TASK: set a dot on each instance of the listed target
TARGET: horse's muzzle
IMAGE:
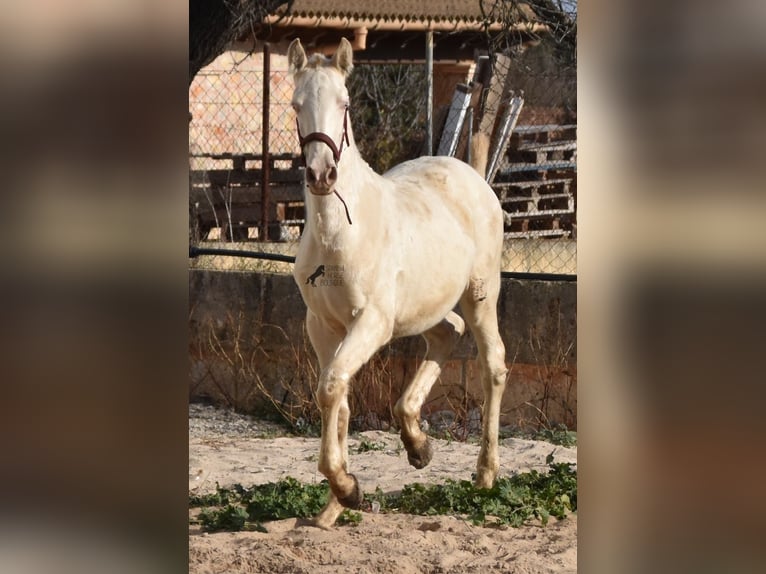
(321, 183)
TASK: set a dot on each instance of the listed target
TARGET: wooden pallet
(543, 134)
(536, 183)
(537, 205)
(544, 153)
(557, 223)
(229, 196)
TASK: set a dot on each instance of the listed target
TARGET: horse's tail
(479, 152)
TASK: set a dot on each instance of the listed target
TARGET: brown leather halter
(325, 139)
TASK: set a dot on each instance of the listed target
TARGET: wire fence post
(430, 90)
(265, 175)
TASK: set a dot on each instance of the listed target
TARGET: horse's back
(428, 185)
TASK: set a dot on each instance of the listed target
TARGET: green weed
(368, 445)
(511, 501)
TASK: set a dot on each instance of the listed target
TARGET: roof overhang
(377, 38)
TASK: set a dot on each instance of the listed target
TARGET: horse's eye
(295, 106)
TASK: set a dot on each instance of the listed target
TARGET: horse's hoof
(420, 457)
(313, 523)
(354, 499)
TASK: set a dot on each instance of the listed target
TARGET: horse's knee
(495, 369)
(499, 376)
(332, 389)
(328, 467)
(404, 411)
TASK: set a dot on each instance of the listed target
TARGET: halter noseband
(325, 139)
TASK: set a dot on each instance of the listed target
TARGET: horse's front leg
(365, 336)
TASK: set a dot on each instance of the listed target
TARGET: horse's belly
(425, 295)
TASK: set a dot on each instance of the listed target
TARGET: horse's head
(320, 101)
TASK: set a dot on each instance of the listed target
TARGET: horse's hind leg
(479, 306)
(441, 340)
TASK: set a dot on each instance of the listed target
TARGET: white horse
(389, 256)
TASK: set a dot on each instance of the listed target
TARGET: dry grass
(258, 369)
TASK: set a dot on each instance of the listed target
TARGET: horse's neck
(328, 219)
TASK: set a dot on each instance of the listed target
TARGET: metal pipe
(197, 251)
(430, 92)
(265, 160)
(469, 135)
(519, 275)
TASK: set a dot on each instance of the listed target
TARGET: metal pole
(520, 275)
(469, 135)
(265, 175)
(430, 98)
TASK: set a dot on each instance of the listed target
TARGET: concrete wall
(259, 319)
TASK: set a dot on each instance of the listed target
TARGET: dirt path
(226, 448)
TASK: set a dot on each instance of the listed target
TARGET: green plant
(239, 508)
(559, 435)
(511, 501)
(368, 445)
(350, 518)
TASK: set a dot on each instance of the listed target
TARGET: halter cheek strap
(325, 139)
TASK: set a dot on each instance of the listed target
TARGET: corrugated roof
(402, 10)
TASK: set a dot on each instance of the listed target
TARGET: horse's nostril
(311, 175)
(332, 175)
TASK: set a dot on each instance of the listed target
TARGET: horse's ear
(343, 58)
(296, 56)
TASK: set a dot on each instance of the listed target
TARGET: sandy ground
(228, 449)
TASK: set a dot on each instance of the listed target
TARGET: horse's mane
(318, 61)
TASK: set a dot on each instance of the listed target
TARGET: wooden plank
(536, 233)
(495, 94)
(551, 146)
(538, 213)
(545, 166)
(543, 134)
(453, 125)
(226, 177)
(525, 184)
(525, 129)
(469, 128)
(245, 195)
(514, 199)
(508, 122)
(540, 156)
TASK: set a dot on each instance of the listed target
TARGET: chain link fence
(522, 101)
(229, 137)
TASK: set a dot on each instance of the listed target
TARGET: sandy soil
(228, 449)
